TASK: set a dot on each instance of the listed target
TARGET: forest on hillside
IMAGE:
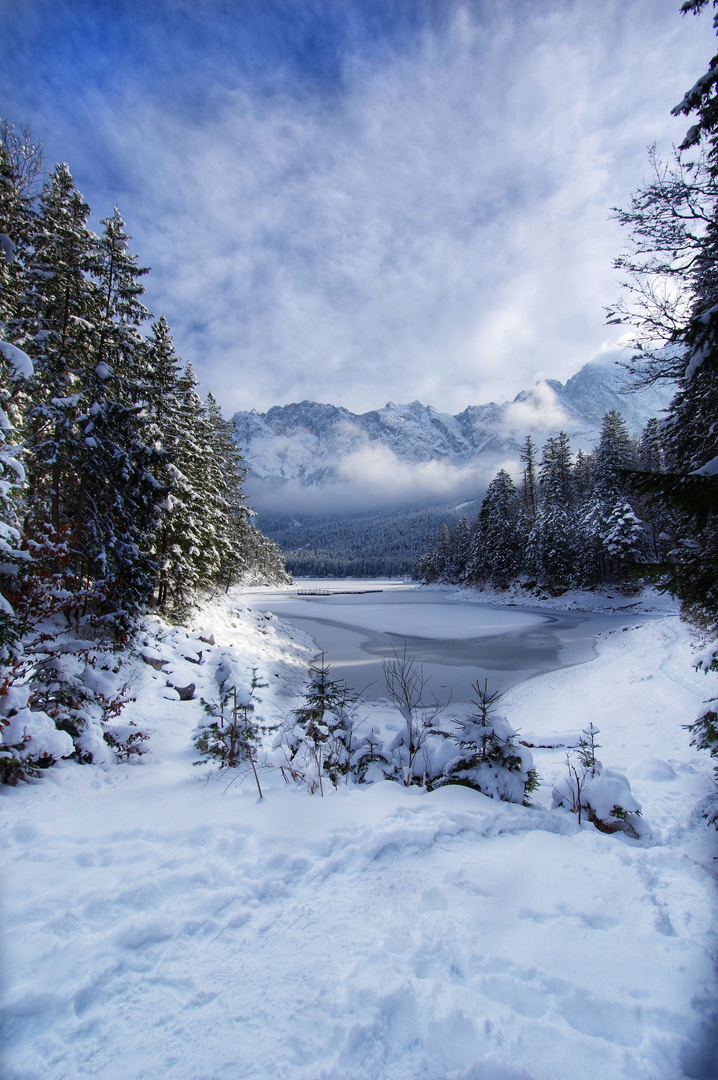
(383, 544)
(569, 521)
(121, 490)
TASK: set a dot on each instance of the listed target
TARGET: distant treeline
(570, 521)
(384, 544)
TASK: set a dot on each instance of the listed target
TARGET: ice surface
(416, 620)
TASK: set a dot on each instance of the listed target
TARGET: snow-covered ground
(160, 921)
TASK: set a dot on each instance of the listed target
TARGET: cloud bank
(373, 478)
(422, 215)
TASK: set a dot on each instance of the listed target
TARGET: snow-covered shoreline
(160, 921)
(602, 600)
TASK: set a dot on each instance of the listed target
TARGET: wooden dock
(336, 592)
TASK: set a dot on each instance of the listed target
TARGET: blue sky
(361, 200)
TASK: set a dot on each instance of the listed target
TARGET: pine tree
(609, 516)
(460, 549)
(673, 225)
(232, 733)
(225, 479)
(12, 480)
(116, 509)
(551, 548)
(443, 555)
(21, 169)
(556, 472)
(676, 240)
(590, 562)
(428, 570)
(613, 457)
(488, 757)
(318, 741)
(583, 476)
(370, 762)
(623, 536)
(62, 305)
(496, 549)
(20, 163)
(189, 524)
(651, 454)
(529, 484)
(658, 520)
(161, 371)
(56, 327)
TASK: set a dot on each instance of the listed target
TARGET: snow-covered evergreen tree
(658, 520)
(528, 490)
(613, 457)
(551, 547)
(320, 742)
(114, 476)
(428, 567)
(20, 162)
(488, 756)
(371, 762)
(231, 733)
(59, 322)
(460, 548)
(673, 237)
(14, 367)
(590, 561)
(161, 370)
(116, 505)
(21, 170)
(496, 548)
(225, 478)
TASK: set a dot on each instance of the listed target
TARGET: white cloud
(612, 352)
(539, 410)
(366, 474)
(373, 478)
(437, 231)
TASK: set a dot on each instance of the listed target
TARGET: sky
(357, 201)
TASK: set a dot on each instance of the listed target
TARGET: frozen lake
(458, 641)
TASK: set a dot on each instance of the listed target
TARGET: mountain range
(359, 495)
(312, 444)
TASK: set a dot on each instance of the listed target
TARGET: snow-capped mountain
(313, 444)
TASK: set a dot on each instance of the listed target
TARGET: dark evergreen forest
(569, 521)
(121, 487)
(384, 544)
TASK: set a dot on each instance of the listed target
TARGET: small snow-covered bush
(488, 756)
(604, 795)
(29, 740)
(370, 762)
(62, 698)
(230, 733)
(704, 732)
(320, 740)
(408, 689)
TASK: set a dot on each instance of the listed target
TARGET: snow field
(163, 922)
